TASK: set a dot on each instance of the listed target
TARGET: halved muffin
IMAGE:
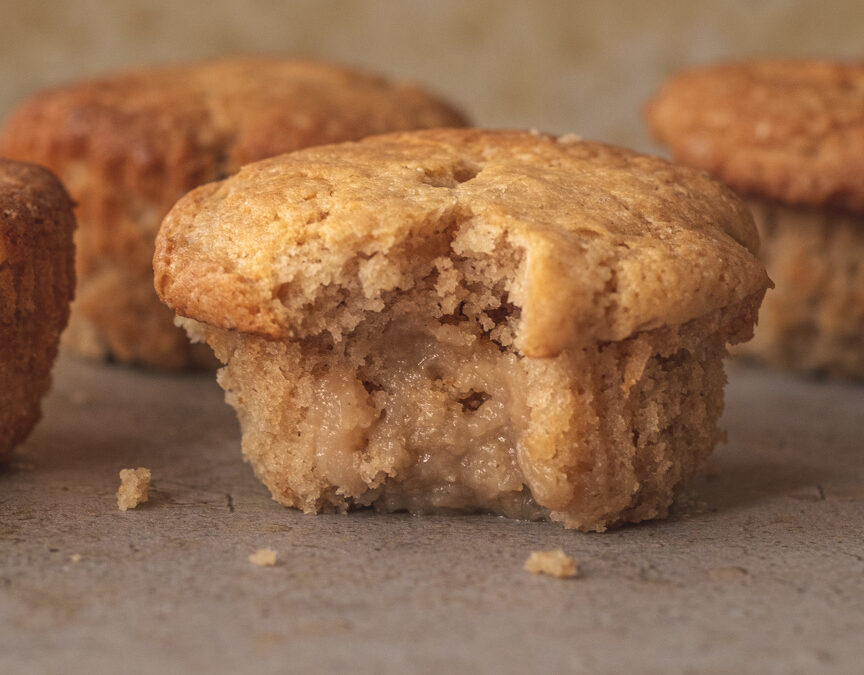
(468, 320)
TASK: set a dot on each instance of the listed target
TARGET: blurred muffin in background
(128, 146)
(37, 281)
(789, 136)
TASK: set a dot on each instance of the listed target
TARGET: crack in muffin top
(612, 242)
(786, 130)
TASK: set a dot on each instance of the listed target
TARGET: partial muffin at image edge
(457, 320)
(37, 282)
(789, 137)
(127, 146)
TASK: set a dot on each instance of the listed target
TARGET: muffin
(37, 280)
(128, 146)
(457, 320)
(789, 137)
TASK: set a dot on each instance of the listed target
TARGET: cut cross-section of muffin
(37, 280)
(128, 145)
(468, 320)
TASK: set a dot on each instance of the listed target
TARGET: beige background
(559, 66)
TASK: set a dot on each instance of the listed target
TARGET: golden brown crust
(128, 146)
(614, 242)
(37, 280)
(787, 130)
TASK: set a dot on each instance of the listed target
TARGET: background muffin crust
(786, 130)
(37, 281)
(789, 135)
(128, 146)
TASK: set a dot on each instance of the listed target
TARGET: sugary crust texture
(37, 281)
(814, 320)
(128, 146)
(608, 242)
(786, 130)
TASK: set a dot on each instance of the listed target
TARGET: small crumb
(75, 558)
(554, 563)
(133, 488)
(263, 557)
(727, 573)
(567, 139)
(817, 495)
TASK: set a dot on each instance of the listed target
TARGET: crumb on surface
(75, 558)
(133, 488)
(728, 573)
(554, 563)
(263, 557)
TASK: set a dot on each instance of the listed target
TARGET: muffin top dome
(602, 242)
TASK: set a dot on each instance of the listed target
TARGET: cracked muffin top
(180, 126)
(593, 242)
(786, 130)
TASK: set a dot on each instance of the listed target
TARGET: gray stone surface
(760, 569)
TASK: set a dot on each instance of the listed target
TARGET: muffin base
(813, 321)
(423, 414)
